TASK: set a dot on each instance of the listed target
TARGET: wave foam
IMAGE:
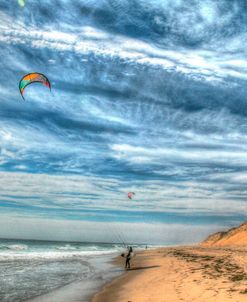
(52, 255)
(14, 247)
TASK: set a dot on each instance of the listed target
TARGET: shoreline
(185, 273)
(83, 290)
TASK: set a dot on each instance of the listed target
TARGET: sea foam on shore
(31, 269)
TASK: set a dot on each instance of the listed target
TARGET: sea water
(33, 268)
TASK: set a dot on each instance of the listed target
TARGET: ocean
(147, 96)
(33, 268)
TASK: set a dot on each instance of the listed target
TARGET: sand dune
(233, 237)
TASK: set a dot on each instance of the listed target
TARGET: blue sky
(147, 96)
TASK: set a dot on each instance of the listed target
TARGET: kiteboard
(132, 255)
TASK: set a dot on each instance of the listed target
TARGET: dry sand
(181, 274)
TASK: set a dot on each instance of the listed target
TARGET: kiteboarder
(128, 257)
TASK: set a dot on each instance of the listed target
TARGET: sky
(147, 96)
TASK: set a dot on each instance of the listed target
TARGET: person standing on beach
(128, 257)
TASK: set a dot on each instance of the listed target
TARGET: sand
(181, 274)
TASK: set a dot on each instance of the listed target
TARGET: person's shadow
(142, 267)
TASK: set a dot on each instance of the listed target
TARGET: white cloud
(78, 193)
(135, 155)
(52, 229)
(201, 64)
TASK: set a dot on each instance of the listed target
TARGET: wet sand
(181, 274)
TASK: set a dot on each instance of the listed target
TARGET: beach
(41, 271)
(191, 273)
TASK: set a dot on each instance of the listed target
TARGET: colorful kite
(30, 78)
(130, 195)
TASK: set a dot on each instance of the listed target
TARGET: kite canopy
(130, 195)
(30, 78)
